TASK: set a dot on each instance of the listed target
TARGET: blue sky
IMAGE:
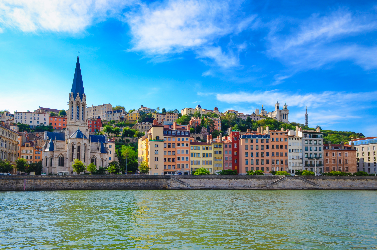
(175, 54)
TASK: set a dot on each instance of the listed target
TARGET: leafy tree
(23, 127)
(118, 107)
(144, 167)
(5, 166)
(215, 133)
(108, 129)
(62, 113)
(273, 172)
(198, 129)
(306, 172)
(163, 110)
(183, 120)
(35, 167)
(91, 168)
(53, 114)
(282, 173)
(228, 172)
(257, 172)
(116, 131)
(197, 114)
(112, 169)
(22, 165)
(192, 130)
(201, 171)
(78, 166)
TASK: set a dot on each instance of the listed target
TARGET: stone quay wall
(160, 182)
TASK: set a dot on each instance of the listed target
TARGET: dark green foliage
(257, 172)
(118, 107)
(163, 110)
(62, 113)
(337, 173)
(298, 172)
(146, 117)
(228, 172)
(5, 166)
(35, 167)
(273, 172)
(100, 171)
(183, 120)
(22, 165)
(282, 173)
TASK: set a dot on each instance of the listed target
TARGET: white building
(295, 150)
(366, 154)
(32, 119)
(93, 112)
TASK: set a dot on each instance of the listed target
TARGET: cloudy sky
(175, 54)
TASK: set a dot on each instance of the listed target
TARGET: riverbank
(159, 182)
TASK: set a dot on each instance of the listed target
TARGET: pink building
(228, 159)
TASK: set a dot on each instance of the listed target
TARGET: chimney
(174, 126)
(297, 131)
(342, 145)
(282, 129)
(267, 130)
(155, 122)
(330, 145)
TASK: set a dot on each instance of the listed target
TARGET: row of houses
(172, 150)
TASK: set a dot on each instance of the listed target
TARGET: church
(62, 148)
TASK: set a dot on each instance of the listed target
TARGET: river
(191, 219)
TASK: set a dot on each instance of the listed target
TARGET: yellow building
(132, 117)
(201, 156)
(151, 150)
(217, 156)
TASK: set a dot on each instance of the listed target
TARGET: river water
(207, 219)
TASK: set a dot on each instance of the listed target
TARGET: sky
(236, 55)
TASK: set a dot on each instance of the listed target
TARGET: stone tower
(77, 104)
(306, 116)
(284, 113)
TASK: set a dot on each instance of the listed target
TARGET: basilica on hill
(62, 148)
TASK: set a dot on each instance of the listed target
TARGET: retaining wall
(157, 182)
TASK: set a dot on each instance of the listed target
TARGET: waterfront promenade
(167, 182)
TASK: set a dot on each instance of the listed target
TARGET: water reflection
(188, 220)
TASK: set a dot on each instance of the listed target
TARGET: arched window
(93, 160)
(60, 160)
(78, 153)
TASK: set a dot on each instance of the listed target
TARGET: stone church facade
(62, 148)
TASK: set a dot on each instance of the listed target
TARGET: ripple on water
(188, 220)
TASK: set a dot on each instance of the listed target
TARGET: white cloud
(301, 100)
(222, 59)
(70, 16)
(311, 46)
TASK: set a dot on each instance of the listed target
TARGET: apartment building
(151, 149)
(218, 147)
(228, 159)
(194, 122)
(32, 119)
(176, 150)
(31, 152)
(116, 115)
(132, 117)
(58, 123)
(313, 151)
(254, 153)
(279, 150)
(165, 119)
(191, 111)
(6, 117)
(338, 157)
(201, 156)
(145, 109)
(8, 144)
(94, 125)
(93, 112)
(295, 150)
(143, 126)
(365, 154)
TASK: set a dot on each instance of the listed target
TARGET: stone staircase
(310, 182)
(277, 181)
(180, 182)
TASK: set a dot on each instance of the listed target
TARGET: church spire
(77, 84)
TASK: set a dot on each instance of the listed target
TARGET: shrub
(273, 172)
(78, 166)
(306, 172)
(360, 173)
(228, 172)
(112, 168)
(336, 173)
(299, 172)
(91, 168)
(257, 172)
(282, 173)
(201, 171)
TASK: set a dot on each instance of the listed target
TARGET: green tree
(201, 171)
(5, 166)
(112, 169)
(91, 168)
(163, 110)
(228, 172)
(192, 130)
(78, 166)
(118, 107)
(158, 109)
(116, 131)
(53, 114)
(183, 120)
(22, 165)
(108, 129)
(197, 114)
(62, 113)
(144, 167)
(35, 167)
(215, 133)
(360, 173)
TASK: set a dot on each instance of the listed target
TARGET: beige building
(32, 119)
(279, 115)
(8, 144)
(151, 150)
(191, 111)
(143, 126)
(62, 148)
(93, 112)
(145, 109)
(165, 119)
(313, 151)
(295, 150)
(366, 154)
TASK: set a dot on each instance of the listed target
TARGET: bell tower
(76, 118)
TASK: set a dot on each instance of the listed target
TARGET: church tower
(77, 104)
(306, 116)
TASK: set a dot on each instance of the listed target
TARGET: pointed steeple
(77, 84)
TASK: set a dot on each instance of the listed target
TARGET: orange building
(279, 150)
(94, 125)
(254, 152)
(338, 157)
(58, 123)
